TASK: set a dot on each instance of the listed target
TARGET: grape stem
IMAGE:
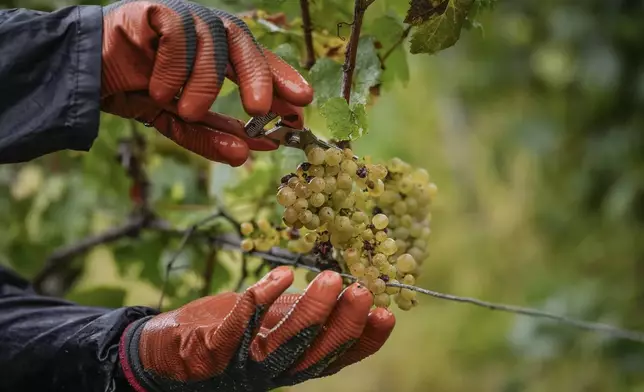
(307, 27)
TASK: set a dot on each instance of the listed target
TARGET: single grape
(286, 196)
(388, 247)
(371, 273)
(405, 185)
(412, 204)
(314, 223)
(420, 176)
(348, 202)
(330, 185)
(377, 189)
(317, 200)
(344, 181)
(379, 259)
(377, 286)
(311, 237)
(403, 304)
(290, 215)
(401, 233)
(381, 236)
(316, 171)
(406, 263)
(333, 156)
(338, 197)
(408, 294)
(400, 208)
(380, 221)
(367, 235)
(300, 204)
(343, 224)
(302, 191)
(392, 290)
(348, 154)
(377, 172)
(433, 190)
(359, 217)
(246, 228)
(357, 270)
(317, 184)
(293, 181)
(247, 245)
(417, 254)
(406, 221)
(351, 256)
(305, 216)
(349, 167)
(264, 225)
(326, 214)
(315, 155)
(263, 245)
(332, 170)
(409, 280)
(402, 245)
(382, 300)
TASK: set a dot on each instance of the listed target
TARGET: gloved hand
(164, 63)
(255, 341)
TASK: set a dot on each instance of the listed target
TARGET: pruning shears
(282, 133)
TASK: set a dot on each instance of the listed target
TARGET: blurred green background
(532, 128)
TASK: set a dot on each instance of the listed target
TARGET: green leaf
(441, 31)
(326, 79)
(108, 297)
(367, 70)
(388, 30)
(344, 122)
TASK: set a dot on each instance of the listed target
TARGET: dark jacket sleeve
(50, 81)
(48, 344)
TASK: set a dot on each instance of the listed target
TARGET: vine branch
(307, 27)
(359, 10)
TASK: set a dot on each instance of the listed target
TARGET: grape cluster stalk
(366, 219)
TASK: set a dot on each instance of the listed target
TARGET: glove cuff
(129, 357)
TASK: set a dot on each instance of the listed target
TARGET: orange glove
(164, 63)
(255, 341)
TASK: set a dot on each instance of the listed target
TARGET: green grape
(403, 304)
(376, 188)
(263, 245)
(382, 300)
(367, 235)
(311, 237)
(412, 204)
(400, 208)
(393, 290)
(316, 155)
(420, 176)
(264, 225)
(247, 245)
(351, 256)
(348, 153)
(286, 196)
(420, 243)
(359, 217)
(379, 259)
(433, 190)
(330, 185)
(305, 216)
(338, 197)
(377, 286)
(333, 156)
(406, 263)
(409, 280)
(317, 200)
(344, 181)
(402, 245)
(300, 204)
(348, 202)
(417, 254)
(408, 294)
(349, 167)
(357, 270)
(415, 230)
(406, 221)
(246, 228)
(389, 197)
(332, 170)
(381, 236)
(290, 215)
(401, 233)
(317, 184)
(316, 171)
(326, 214)
(343, 224)
(314, 223)
(293, 181)
(380, 221)
(388, 247)
(371, 273)
(302, 191)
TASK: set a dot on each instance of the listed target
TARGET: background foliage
(531, 125)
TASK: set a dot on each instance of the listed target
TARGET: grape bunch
(365, 219)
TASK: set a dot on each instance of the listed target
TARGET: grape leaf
(441, 31)
(344, 122)
(421, 10)
(367, 70)
(326, 79)
(326, 75)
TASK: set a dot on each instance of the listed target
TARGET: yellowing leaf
(441, 31)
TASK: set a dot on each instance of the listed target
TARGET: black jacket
(50, 76)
